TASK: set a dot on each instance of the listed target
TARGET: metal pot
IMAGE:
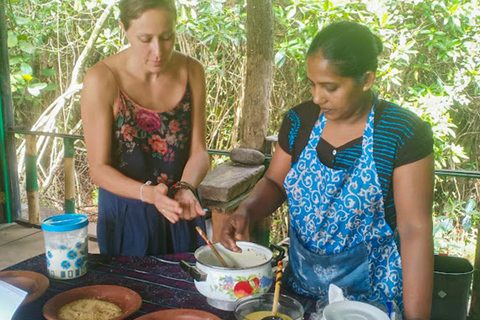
(250, 272)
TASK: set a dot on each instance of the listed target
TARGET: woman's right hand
(168, 207)
(234, 228)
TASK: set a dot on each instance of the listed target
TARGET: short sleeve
(417, 146)
(285, 138)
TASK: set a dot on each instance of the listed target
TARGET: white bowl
(353, 310)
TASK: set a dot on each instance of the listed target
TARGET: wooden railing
(31, 177)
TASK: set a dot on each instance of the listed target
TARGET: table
(159, 280)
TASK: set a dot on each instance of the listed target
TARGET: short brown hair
(133, 9)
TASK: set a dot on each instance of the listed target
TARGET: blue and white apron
(338, 231)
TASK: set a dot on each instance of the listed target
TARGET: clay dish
(32, 282)
(128, 300)
(179, 314)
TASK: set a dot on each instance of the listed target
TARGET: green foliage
(454, 229)
(44, 41)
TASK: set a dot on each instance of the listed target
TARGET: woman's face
(152, 38)
(338, 97)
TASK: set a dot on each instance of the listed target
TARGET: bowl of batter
(259, 307)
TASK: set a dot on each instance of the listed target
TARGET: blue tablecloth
(160, 282)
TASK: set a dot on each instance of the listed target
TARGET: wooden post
(31, 179)
(474, 313)
(69, 175)
(258, 83)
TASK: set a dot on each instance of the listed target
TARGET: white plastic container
(66, 245)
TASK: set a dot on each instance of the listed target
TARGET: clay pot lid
(128, 300)
(32, 282)
(179, 314)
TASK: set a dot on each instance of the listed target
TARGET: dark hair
(133, 9)
(351, 47)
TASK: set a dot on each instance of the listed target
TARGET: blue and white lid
(65, 222)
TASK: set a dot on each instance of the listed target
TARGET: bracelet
(181, 185)
(141, 189)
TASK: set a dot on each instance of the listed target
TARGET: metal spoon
(276, 295)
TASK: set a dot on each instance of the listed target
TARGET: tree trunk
(259, 76)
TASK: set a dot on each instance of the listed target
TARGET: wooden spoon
(276, 295)
(200, 232)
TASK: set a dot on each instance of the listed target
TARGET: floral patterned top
(149, 145)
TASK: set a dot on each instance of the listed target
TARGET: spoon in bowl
(276, 295)
(210, 244)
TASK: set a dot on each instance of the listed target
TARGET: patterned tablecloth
(160, 282)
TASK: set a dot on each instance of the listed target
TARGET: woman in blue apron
(357, 172)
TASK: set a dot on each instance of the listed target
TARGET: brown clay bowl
(179, 314)
(32, 282)
(128, 300)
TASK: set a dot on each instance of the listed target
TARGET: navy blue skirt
(131, 227)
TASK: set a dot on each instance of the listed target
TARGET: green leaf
(12, 40)
(471, 204)
(384, 18)
(26, 46)
(25, 68)
(13, 60)
(292, 13)
(467, 223)
(48, 72)
(22, 21)
(51, 87)
(36, 88)
(326, 5)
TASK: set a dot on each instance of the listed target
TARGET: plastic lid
(65, 222)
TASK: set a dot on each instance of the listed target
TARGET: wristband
(181, 185)
(141, 189)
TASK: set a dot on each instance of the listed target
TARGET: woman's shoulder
(103, 73)
(193, 66)
(404, 128)
(304, 111)
(100, 84)
(297, 124)
(391, 114)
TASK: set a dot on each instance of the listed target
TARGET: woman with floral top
(143, 112)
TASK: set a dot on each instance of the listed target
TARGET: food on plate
(89, 309)
(259, 315)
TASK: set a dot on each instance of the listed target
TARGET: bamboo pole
(8, 160)
(31, 179)
(69, 175)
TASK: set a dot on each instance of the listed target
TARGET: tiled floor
(18, 243)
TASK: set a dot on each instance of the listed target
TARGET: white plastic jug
(66, 245)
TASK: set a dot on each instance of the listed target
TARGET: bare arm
(264, 199)
(97, 104)
(413, 191)
(198, 163)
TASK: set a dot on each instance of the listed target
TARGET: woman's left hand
(191, 209)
